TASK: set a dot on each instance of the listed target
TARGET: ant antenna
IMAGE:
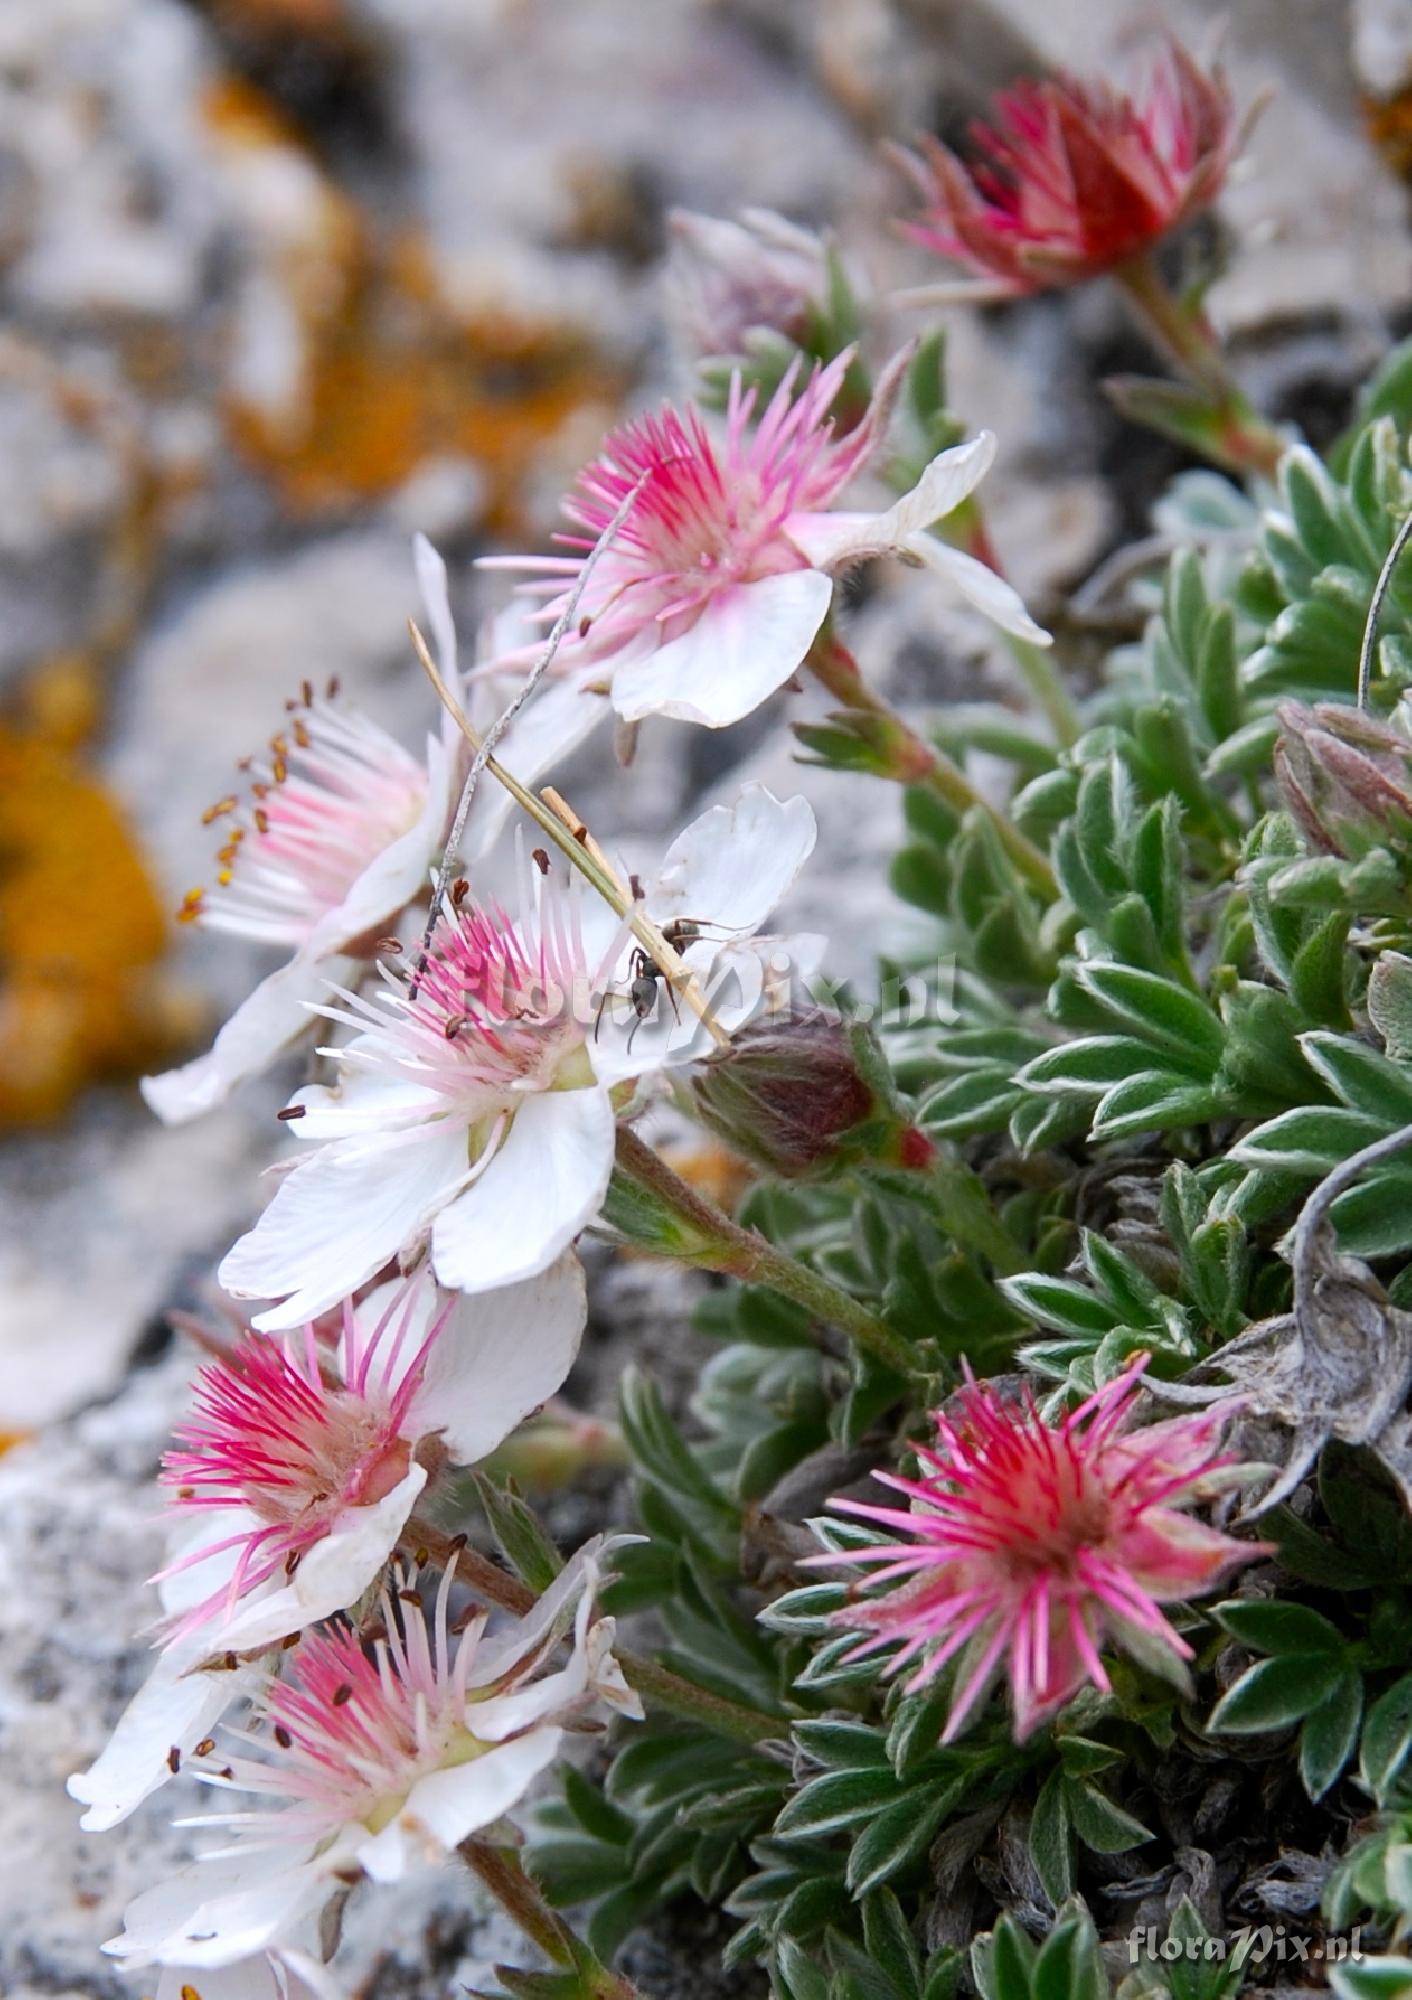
(1380, 591)
(507, 715)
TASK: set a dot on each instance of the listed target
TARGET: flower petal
(559, 716)
(219, 1911)
(392, 878)
(339, 1217)
(740, 651)
(832, 541)
(442, 1809)
(333, 1574)
(176, 1707)
(546, 1183)
(731, 866)
(499, 1356)
(980, 586)
(261, 1028)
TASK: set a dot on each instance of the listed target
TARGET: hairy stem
(719, 1244)
(501, 1871)
(913, 761)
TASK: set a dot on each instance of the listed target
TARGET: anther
(301, 733)
(460, 889)
(333, 687)
(306, 689)
(282, 1736)
(174, 1759)
(205, 1746)
(389, 946)
(454, 1026)
(410, 1597)
(280, 770)
(219, 809)
(342, 1694)
(291, 1562)
(262, 820)
(540, 859)
(585, 623)
(290, 1113)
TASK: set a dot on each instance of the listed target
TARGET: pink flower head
(377, 1754)
(714, 587)
(333, 833)
(330, 795)
(301, 1462)
(1044, 1542)
(1070, 178)
(294, 1480)
(728, 280)
(475, 1109)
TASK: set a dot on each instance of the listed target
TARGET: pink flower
(376, 1757)
(716, 584)
(1072, 178)
(1045, 1543)
(295, 1477)
(301, 1465)
(332, 833)
(475, 1108)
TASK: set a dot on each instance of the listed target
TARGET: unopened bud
(1346, 778)
(727, 280)
(805, 1092)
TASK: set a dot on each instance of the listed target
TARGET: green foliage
(1130, 1088)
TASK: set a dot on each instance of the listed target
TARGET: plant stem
(1045, 684)
(654, 1683)
(1185, 335)
(915, 762)
(501, 1871)
(719, 1244)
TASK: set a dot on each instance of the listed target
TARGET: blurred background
(282, 281)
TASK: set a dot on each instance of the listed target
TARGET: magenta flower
(1071, 178)
(722, 573)
(1046, 1543)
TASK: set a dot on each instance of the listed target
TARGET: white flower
(720, 577)
(475, 1106)
(282, 1974)
(300, 1467)
(335, 833)
(384, 1764)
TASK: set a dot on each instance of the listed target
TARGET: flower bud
(730, 279)
(804, 1092)
(1346, 778)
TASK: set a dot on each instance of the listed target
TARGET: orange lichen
(1389, 123)
(81, 930)
(390, 374)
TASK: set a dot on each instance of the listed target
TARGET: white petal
(219, 1911)
(431, 580)
(551, 1612)
(333, 1575)
(499, 1356)
(740, 651)
(174, 1707)
(980, 586)
(442, 1809)
(559, 716)
(831, 541)
(731, 866)
(363, 1102)
(393, 878)
(262, 1026)
(339, 1217)
(545, 1184)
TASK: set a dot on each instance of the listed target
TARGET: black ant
(644, 974)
